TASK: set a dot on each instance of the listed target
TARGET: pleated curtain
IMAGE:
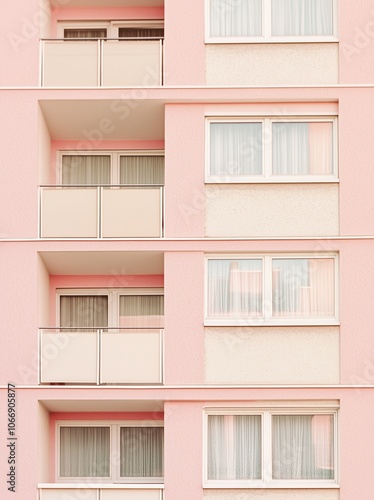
(302, 149)
(235, 149)
(84, 311)
(142, 170)
(84, 451)
(234, 447)
(144, 311)
(85, 33)
(301, 17)
(235, 288)
(142, 451)
(85, 169)
(135, 33)
(230, 18)
(303, 447)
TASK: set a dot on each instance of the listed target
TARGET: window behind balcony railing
(85, 33)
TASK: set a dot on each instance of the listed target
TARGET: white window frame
(266, 36)
(266, 411)
(267, 319)
(112, 27)
(62, 25)
(114, 159)
(113, 294)
(114, 427)
(267, 176)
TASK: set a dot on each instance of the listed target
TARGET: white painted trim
(62, 25)
(266, 123)
(114, 155)
(266, 36)
(267, 319)
(266, 411)
(114, 429)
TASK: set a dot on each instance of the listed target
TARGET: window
(124, 308)
(132, 29)
(271, 290)
(88, 450)
(271, 20)
(271, 447)
(115, 168)
(271, 150)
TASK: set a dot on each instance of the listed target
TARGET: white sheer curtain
(302, 148)
(85, 33)
(303, 287)
(85, 169)
(142, 451)
(235, 18)
(84, 311)
(235, 149)
(303, 447)
(145, 311)
(84, 451)
(235, 288)
(301, 17)
(234, 447)
(147, 170)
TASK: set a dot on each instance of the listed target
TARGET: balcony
(100, 492)
(101, 211)
(110, 356)
(114, 62)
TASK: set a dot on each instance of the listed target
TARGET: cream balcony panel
(76, 493)
(274, 494)
(128, 63)
(131, 495)
(131, 213)
(268, 355)
(272, 64)
(133, 357)
(69, 357)
(71, 64)
(69, 213)
(272, 210)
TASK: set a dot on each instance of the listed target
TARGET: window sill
(275, 485)
(271, 322)
(271, 180)
(270, 41)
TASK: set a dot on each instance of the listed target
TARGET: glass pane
(143, 170)
(85, 169)
(235, 149)
(141, 32)
(234, 447)
(84, 451)
(303, 447)
(146, 311)
(302, 148)
(303, 288)
(302, 17)
(235, 288)
(142, 451)
(84, 311)
(85, 33)
(232, 18)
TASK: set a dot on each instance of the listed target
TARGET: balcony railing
(110, 356)
(100, 492)
(101, 211)
(111, 62)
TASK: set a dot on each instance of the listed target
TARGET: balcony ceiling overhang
(97, 120)
(100, 405)
(103, 263)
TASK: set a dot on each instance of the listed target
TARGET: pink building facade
(180, 192)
